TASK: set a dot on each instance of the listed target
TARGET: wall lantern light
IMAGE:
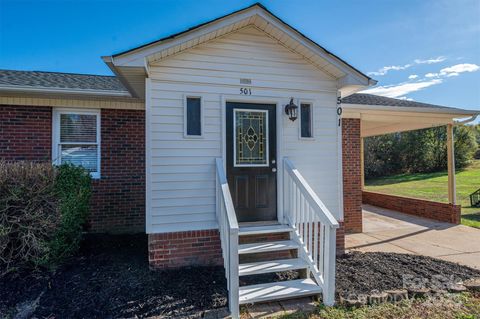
(291, 110)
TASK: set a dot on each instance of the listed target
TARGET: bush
(42, 210)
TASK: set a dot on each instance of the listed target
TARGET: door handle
(274, 170)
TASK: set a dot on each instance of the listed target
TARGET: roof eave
(61, 91)
(433, 110)
(362, 79)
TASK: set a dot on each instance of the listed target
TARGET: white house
(247, 129)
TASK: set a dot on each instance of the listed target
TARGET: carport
(376, 115)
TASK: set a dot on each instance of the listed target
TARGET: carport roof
(370, 99)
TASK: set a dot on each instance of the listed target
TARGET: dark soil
(110, 278)
(363, 273)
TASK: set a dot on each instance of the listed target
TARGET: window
(76, 139)
(193, 117)
(306, 122)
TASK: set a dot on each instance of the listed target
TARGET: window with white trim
(76, 139)
(193, 119)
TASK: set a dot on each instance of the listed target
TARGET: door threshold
(260, 223)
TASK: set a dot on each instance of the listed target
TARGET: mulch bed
(110, 278)
(363, 273)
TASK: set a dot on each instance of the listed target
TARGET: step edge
(274, 230)
(291, 245)
(316, 289)
(300, 264)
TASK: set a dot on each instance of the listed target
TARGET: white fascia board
(136, 57)
(355, 108)
(50, 90)
(309, 44)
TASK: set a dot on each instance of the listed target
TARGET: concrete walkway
(389, 231)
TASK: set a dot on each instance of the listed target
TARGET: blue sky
(438, 41)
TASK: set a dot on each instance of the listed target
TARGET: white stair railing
(315, 229)
(228, 228)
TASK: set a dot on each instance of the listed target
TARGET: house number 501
(246, 91)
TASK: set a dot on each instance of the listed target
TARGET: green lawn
(433, 186)
(461, 306)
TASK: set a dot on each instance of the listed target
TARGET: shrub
(42, 210)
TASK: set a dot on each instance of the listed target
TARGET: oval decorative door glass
(250, 137)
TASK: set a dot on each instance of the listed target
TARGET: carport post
(362, 161)
(451, 165)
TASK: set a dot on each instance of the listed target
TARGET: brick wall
(171, 250)
(118, 202)
(352, 184)
(341, 239)
(25, 133)
(424, 208)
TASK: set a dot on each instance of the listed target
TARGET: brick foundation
(352, 183)
(341, 239)
(118, 201)
(424, 208)
(171, 250)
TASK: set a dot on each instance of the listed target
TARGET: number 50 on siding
(246, 91)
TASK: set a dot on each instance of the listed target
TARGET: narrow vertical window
(193, 116)
(77, 139)
(306, 127)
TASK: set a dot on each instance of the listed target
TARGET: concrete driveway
(389, 231)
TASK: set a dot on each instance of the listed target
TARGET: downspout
(471, 119)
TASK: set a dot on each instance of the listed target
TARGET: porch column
(451, 165)
(362, 161)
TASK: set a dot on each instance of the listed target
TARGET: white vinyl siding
(181, 178)
(76, 139)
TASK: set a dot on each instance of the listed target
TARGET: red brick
(201, 248)
(118, 201)
(419, 207)
(352, 183)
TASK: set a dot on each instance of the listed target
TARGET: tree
(418, 151)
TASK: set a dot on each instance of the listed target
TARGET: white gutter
(443, 110)
(471, 119)
(37, 89)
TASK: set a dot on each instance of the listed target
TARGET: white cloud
(402, 89)
(459, 68)
(386, 69)
(454, 70)
(431, 61)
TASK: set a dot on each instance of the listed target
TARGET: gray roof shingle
(40, 79)
(370, 99)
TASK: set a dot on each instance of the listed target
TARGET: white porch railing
(315, 229)
(228, 228)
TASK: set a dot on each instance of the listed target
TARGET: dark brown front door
(251, 160)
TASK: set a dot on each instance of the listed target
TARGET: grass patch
(461, 306)
(433, 186)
